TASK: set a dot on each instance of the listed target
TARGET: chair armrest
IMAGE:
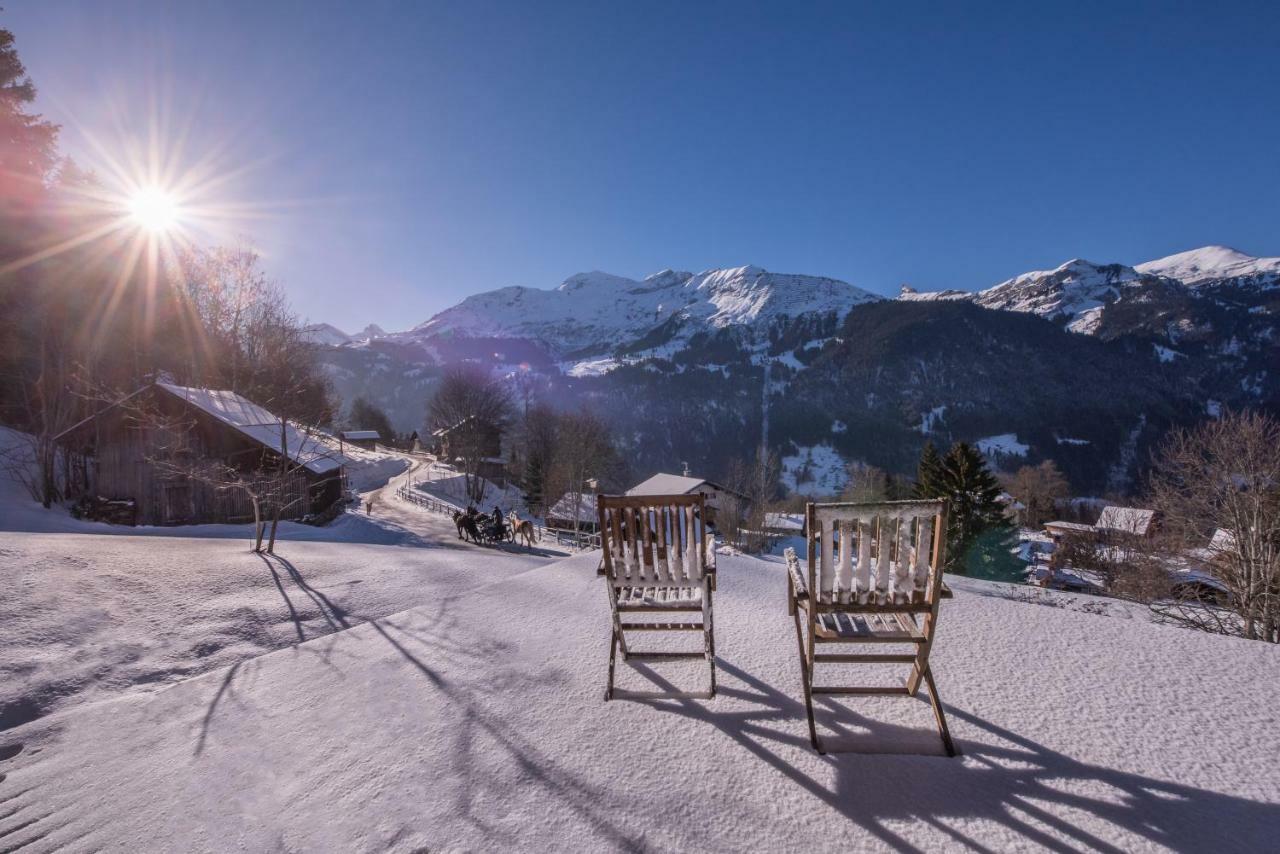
(709, 562)
(798, 583)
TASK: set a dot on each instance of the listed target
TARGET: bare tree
(1039, 488)
(473, 408)
(584, 451)
(866, 483)
(741, 517)
(1224, 475)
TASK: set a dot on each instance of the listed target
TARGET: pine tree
(979, 535)
(929, 473)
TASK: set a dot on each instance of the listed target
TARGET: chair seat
(886, 628)
(659, 597)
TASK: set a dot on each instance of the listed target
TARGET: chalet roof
(360, 435)
(250, 420)
(1129, 520)
(258, 424)
(585, 507)
(1068, 526)
(784, 522)
(667, 484)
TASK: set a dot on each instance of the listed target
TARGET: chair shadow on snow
(1006, 778)
(433, 635)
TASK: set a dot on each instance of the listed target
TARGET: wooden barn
(176, 453)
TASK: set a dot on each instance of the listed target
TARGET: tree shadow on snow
(1007, 779)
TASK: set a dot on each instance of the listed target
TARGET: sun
(154, 209)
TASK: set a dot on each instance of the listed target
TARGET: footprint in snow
(9, 751)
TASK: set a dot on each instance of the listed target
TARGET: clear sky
(399, 156)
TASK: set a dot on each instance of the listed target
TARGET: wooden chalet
(158, 447)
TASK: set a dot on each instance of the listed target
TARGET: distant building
(491, 466)
(1128, 521)
(137, 449)
(574, 506)
(714, 494)
(784, 524)
(367, 439)
(1058, 530)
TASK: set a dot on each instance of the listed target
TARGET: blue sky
(401, 156)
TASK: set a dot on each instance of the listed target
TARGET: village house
(446, 440)
(157, 447)
(579, 507)
(714, 494)
(1127, 522)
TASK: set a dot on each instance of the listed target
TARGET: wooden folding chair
(658, 561)
(874, 577)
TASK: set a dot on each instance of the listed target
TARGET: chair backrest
(653, 540)
(887, 553)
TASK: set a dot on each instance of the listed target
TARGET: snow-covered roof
(356, 435)
(784, 521)
(1129, 520)
(584, 503)
(258, 424)
(667, 484)
(1068, 526)
(1222, 541)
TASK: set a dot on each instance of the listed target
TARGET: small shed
(152, 447)
(361, 438)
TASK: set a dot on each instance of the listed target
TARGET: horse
(467, 528)
(523, 529)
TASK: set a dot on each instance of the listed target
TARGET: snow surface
(1209, 263)
(818, 471)
(476, 721)
(92, 610)
(1005, 443)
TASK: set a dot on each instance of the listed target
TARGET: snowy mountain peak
(596, 280)
(1209, 263)
(325, 334)
(599, 312)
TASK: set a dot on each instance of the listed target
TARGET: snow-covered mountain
(1078, 291)
(1079, 294)
(325, 334)
(1210, 263)
(597, 312)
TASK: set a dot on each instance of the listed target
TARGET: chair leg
(806, 678)
(709, 632)
(937, 713)
(613, 656)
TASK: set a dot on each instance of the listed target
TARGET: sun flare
(154, 209)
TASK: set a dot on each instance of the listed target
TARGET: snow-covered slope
(1210, 263)
(1076, 291)
(601, 311)
(431, 729)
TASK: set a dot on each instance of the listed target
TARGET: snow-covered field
(476, 720)
(90, 610)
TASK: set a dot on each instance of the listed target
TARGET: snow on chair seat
(874, 575)
(650, 597)
(657, 559)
